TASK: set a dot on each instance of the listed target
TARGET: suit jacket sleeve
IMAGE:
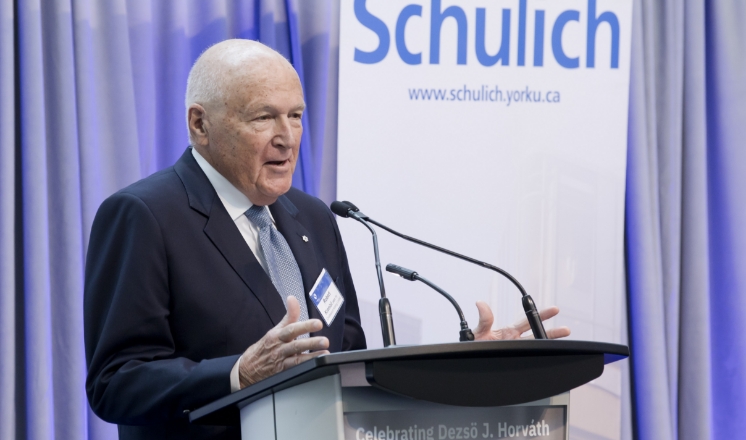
(133, 375)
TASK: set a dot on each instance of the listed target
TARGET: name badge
(326, 297)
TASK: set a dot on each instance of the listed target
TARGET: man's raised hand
(484, 331)
(279, 350)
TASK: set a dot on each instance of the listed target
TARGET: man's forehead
(269, 102)
(260, 87)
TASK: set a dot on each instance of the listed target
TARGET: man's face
(254, 140)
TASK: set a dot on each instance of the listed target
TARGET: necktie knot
(259, 216)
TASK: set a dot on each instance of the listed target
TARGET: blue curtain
(91, 100)
(685, 211)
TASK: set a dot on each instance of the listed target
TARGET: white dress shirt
(236, 203)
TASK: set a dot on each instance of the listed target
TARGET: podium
(485, 389)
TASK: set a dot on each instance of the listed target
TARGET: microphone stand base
(387, 322)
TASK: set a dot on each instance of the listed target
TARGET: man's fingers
(549, 313)
(306, 344)
(485, 318)
(523, 326)
(293, 312)
(295, 329)
(559, 332)
(552, 333)
(299, 359)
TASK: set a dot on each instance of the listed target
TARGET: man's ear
(198, 125)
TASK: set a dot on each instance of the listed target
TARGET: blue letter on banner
(503, 54)
(401, 24)
(436, 22)
(539, 38)
(559, 26)
(376, 25)
(593, 23)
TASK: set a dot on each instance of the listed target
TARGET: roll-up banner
(498, 129)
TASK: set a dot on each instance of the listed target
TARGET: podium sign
(528, 421)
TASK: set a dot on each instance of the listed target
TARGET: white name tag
(326, 297)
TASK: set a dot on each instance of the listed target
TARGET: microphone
(347, 209)
(351, 205)
(384, 307)
(534, 320)
(465, 334)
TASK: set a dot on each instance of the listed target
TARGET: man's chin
(266, 195)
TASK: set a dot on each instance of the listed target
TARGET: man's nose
(285, 136)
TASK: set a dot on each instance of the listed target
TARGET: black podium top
(483, 373)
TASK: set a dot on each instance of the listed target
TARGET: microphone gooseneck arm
(465, 334)
(461, 316)
(534, 320)
(453, 254)
(375, 253)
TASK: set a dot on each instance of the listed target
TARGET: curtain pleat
(39, 386)
(694, 389)
(646, 311)
(8, 321)
(305, 161)
(726, 119)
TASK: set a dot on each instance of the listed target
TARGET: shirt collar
(235, 202)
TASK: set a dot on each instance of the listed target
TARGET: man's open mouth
(277, 162)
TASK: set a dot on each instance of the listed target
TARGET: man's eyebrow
(272, 109)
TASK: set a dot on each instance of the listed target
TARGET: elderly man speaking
(197, 276)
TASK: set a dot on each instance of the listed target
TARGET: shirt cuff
(235, 381)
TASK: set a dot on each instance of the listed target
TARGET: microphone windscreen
(403, 272)
(340, 208)
(351, 205)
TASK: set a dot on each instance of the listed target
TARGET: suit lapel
(222, 231)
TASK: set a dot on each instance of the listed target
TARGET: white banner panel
(498, 129)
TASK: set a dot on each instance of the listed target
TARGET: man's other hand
(278, 350)
(484, 331)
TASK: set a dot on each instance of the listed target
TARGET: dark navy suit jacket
(173, 296)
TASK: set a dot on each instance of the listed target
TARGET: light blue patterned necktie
(281, 264)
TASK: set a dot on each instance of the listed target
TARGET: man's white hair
(213, 68)
(203, 84)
